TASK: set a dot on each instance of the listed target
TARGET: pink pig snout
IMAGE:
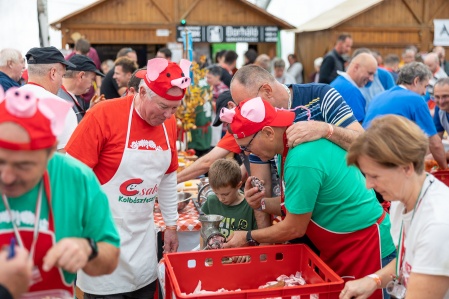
(181, 82)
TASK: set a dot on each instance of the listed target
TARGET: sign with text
(441, 32)
(230, 34)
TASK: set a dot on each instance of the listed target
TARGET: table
(188, 227)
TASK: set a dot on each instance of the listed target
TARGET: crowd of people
(86, 148)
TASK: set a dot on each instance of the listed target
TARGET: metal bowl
(183, 200)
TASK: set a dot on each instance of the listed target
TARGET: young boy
(225, 179)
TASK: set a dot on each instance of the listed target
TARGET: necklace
(289, 96)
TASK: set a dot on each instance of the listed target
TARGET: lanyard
(36, 220)
(401, 249)
(281, 183)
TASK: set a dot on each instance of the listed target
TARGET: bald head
(432, 61)
(362, 69)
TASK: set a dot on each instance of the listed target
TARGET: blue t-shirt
(437, 121)
(352, 96)
(401, 101)
(325, 104)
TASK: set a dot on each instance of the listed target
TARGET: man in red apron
(324, 198)
(130, 145)
(51, 204)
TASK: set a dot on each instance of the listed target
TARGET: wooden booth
(387, 26)
(147, 25)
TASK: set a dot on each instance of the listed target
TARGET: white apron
(131, 193)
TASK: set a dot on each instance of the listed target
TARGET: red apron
(351, 255)
(53, 280)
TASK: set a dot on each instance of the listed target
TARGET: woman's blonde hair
(391, 141)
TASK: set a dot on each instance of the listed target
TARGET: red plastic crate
(184, 270)
(442, 175)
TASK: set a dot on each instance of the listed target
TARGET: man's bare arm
(201, 166)
(437, 149)
(304, 131)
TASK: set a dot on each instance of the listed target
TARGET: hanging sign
(230, 34)
(441, 32)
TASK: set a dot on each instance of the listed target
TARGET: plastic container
(183, 271)
(442, 175)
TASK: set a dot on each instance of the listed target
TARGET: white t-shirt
(427, 235)
(70, 121)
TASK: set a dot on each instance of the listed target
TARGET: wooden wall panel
(114, 12)
(221, 12)
(311, 45)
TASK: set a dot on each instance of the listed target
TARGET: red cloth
(99, 140)
(228, 143)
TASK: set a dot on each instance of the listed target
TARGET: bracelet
(376, 279)
(262, 205)
(171, 227)
(330, 132)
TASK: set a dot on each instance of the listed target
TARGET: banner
(441, 32)
(230, 34)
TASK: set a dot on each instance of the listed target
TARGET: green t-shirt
(80, 207)
(238, 217)
(318, 180)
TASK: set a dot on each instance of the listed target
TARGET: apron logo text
(131, 188)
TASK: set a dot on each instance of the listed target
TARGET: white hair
(147, 89)
(9, 54)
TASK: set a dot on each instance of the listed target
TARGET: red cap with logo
(43, 119)
(162, 75)
(251, 115)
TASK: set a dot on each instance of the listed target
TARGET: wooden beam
(167, 17)
(189, 10)
(440, 8)
(114, 26)
(380, 28)
(412, 11)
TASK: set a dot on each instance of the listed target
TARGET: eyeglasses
(246, 148)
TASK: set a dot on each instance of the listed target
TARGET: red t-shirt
(228, 143)
(99, 139)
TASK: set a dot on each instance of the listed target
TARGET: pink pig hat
(162, 75)
(43, 119)
(251, 115)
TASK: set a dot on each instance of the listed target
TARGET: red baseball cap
(251, 115)
(162, 75)
(43, 119)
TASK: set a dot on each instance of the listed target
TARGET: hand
(70, 254)
(252, 194)
(358, 289)
(96, 99)
(15, 273)
(236, 239)
(304, 131)
(171, 242)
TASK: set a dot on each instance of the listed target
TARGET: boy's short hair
(224, 173)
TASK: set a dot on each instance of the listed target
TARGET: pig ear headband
(253, 110)
(43, 119)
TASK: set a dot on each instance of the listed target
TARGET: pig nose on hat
(181, 82)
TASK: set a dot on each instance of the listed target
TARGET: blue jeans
(385, 261)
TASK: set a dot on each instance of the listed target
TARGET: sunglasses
(245, 148)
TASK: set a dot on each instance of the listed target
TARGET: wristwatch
(250, 241)
(93, 246)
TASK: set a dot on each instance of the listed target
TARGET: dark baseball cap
(46, 55)
(83, 63)
(222, 102)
